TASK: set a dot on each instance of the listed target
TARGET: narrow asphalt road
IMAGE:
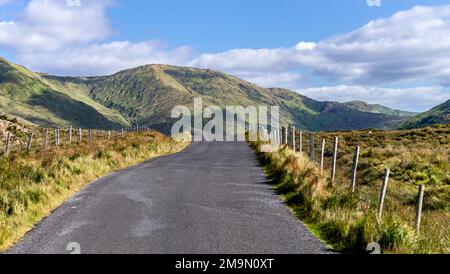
(212, 198)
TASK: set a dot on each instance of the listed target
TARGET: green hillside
(147, 95)
(38, 100)
(375, 108)
(437, 115)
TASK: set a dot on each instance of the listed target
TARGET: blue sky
(392, 52)
(222, 25)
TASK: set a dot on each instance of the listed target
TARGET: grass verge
(34, 183)
(347, 221)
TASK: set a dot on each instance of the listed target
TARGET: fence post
(333, 164)
(279, 138)
(354, 169)
(59, 140)
(300, 137)
(30, 141)
(285, 141)
(8, 141)
(419, 207)
(90, 136)
(80, 134)
(55, 133)
(288, 140)
(109, 134)
(46, 139)
(70, 133)
(311, 148)
(282, 136)
(322, 155)
(279, 141)
(122, 132)
(383, 193)
(293, 139)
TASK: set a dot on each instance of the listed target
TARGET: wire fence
(305, 144)
(16, 140)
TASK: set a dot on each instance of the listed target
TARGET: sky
(390, 52)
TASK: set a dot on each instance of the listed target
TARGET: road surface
(211, 198)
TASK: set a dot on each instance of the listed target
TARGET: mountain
(437, 115)
(147, 95)
(35, 100)
(365, 107)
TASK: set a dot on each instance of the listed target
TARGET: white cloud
(412, 99)
(282, 79)
(105, 58)
(55, 37)
(51, 25)
(409, 47)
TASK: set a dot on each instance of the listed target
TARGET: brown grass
(34, 183)
(348, 221)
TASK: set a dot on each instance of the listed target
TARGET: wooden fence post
(59, 140)
(285, 141)
(80, 134)
(30, 141)
(8, 142)
(300, 137)
(288, 139)
(419, 207)
(297, 139)
(90, 136)
(354, 169)
(333, 164)
(55, 133)
(109, 134)
(279, 138)
(46, 139)
(312, 153)
(122, 132)
(383, 193)
(293, 139)
(70, 134)
(322, 155)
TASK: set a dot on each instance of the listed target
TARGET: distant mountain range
(147, 95)
(365, 107)
(437, 115)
